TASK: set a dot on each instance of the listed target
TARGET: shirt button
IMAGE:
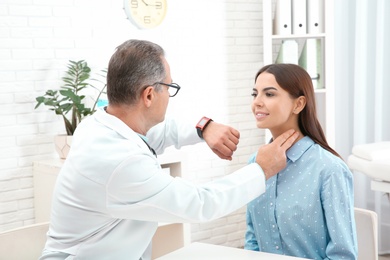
(271, 204)
(277, 247)
(273, 226)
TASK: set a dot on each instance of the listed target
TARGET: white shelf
(297, 36)
(324, 96)
(320, 90)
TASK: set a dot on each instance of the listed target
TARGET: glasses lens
(172, 91)
(172, 88)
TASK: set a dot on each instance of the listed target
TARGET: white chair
(367, 234)
(23, 243)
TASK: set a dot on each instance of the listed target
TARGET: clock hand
(150, 4)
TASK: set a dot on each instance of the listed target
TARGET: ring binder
(282, 19)
(299, 21)
(315, 17)
(288, 52)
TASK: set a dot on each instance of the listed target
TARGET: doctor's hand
(222, 139)
(272, 157)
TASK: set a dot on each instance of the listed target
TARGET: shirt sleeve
(140, 191)
(170, 132)
(338, 204)
(250, 237)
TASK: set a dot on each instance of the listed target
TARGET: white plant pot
(62, 145)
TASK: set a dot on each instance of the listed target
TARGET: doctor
(111, 192)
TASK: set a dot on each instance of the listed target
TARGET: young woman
(308, 208)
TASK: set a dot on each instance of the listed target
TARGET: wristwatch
(201, 125)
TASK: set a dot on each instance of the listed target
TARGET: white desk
(213, 252)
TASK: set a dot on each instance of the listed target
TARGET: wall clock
(146, 14)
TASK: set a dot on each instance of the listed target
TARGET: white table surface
(214, 252)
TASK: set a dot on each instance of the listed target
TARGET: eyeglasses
(173, 88)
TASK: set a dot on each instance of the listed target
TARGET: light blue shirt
(307, 210)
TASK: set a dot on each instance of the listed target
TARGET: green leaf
(69, 97)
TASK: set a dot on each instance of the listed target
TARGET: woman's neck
(275, 134)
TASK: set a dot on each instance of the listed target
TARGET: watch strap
(201, 125)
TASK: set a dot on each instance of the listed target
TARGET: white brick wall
(214, 48)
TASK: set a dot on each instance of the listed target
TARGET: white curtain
(362, 89)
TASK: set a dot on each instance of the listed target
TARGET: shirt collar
(299, 148)
(121, 128)
(114, 123)
(143, 137)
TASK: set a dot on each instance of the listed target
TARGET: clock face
(146, 14)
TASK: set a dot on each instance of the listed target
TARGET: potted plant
(69, 101)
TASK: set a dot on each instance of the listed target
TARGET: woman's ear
(300, 104)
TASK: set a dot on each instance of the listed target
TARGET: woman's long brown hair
(297, 82)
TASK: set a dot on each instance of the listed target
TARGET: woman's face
(272, 106)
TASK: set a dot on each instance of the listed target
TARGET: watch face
(146, 14)
(203, 121)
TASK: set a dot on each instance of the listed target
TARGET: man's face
(162, 96)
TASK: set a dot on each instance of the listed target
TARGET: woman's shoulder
(329, 162)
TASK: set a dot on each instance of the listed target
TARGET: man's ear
(147, 96)
(300, 104)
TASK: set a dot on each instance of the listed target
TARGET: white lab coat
(111, 192)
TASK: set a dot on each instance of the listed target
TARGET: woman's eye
(254, 94)
(268, 94)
